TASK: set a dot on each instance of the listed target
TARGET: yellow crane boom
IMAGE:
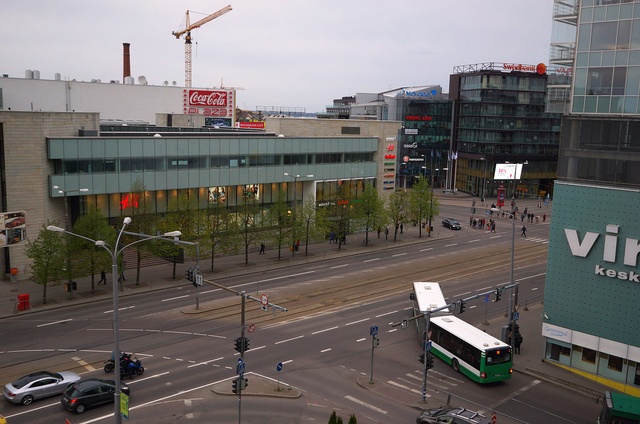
(187, 39)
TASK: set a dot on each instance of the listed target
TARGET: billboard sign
(508, 171)
(13, 228)
(213, 103)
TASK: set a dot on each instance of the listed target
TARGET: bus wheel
(455, 365)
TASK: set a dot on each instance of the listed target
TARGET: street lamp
(115, 252)
(295, 200)
(67, 227)
(484, 178)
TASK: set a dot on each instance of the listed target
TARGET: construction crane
(187, 39)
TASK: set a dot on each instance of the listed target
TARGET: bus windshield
(498, 356)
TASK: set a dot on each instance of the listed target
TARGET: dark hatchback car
(451, 416)
(451, 223)
(89, 393)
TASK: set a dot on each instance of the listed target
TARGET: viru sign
(584, 247)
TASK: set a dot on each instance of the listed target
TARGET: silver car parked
(38, 385)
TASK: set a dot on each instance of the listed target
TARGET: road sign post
(373, 332)
(279, 368)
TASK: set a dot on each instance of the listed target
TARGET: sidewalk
(158, 277)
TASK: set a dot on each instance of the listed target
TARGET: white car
(38, 385)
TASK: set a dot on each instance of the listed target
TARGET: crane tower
(187, 39)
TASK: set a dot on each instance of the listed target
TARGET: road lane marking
(325, 350)
(474, 241)
(174, 298)
(398, 254)
(356, 322)
(401, 386)
(54, 322)
(371, 260)
(450, 245)
(424, 250)
(322, 331)
(289, 340)
(338, 266)
(363, 403)
(361, 340)
(386, 313)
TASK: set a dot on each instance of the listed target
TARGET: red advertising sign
(216, 103)
(253, 125)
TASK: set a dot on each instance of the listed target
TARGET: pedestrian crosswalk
(537, 240)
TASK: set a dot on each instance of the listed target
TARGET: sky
(277, 53)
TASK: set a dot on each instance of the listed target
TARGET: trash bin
(23, 301)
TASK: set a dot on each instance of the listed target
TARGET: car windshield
(21, 382)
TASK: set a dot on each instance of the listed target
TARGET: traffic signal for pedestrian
(461, 306)
(234, 386)
(376, 342)
(421, 358)
(429, 359)
(498, 294)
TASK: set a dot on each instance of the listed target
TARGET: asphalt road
(323, 341)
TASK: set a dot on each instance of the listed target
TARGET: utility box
(23, 302)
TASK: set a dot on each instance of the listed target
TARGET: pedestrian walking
(401, 228)
(386, 233)
(544, 217)
(261, 249)
(122, 279)
(379, 230)
(524, 231)
(518, 342)
(103, 278)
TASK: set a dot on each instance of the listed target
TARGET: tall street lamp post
(484, 178)
(68, 227)
(295, 202)
(114, 252)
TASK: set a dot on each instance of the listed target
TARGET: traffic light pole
(426, 353)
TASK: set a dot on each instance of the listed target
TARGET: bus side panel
(467, 369)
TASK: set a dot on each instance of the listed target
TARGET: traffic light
(244, 382)
(245, 344)
(238, 342)
(429, 358)
(412, 296)
(461, 306)
(498, 294)
(421, 358)
(234, 386)
(189, 273)
(376, 342)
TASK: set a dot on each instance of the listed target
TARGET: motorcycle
(130, 367)
(125, 358)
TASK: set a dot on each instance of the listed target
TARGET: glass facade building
(500, 117)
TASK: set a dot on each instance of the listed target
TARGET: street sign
(516, 316)
(405, 323)
(198, 280)
(374, 330)
(264, 299)
(240, 367)
(486, 298)
(251, 328)
(279, 366)
(427, 345)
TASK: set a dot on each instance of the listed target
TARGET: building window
(588, 355)
(350, 130)
(615, 363)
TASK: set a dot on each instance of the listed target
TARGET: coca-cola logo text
(207, 98)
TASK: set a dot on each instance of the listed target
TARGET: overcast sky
(282, 53)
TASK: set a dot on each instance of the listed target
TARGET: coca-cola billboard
(208, 98)
(215, 103)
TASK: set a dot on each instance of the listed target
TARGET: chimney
(126, 62)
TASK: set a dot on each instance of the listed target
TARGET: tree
(344, 212)
(219, 230)
(48, 255)
(369, 211)
(93, 225)
(314, 221)
(142, 221)
(248, 218)
(423, 206)
(396, 209)
(333, 419)
(183, 216)
(352, 419)
(280, 220)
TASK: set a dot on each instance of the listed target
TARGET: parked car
(38, 385)
(451, 223)
(451, 416)
(89, 393)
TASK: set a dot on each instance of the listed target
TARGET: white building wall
(133, 102)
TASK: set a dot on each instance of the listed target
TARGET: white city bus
(468, 349)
